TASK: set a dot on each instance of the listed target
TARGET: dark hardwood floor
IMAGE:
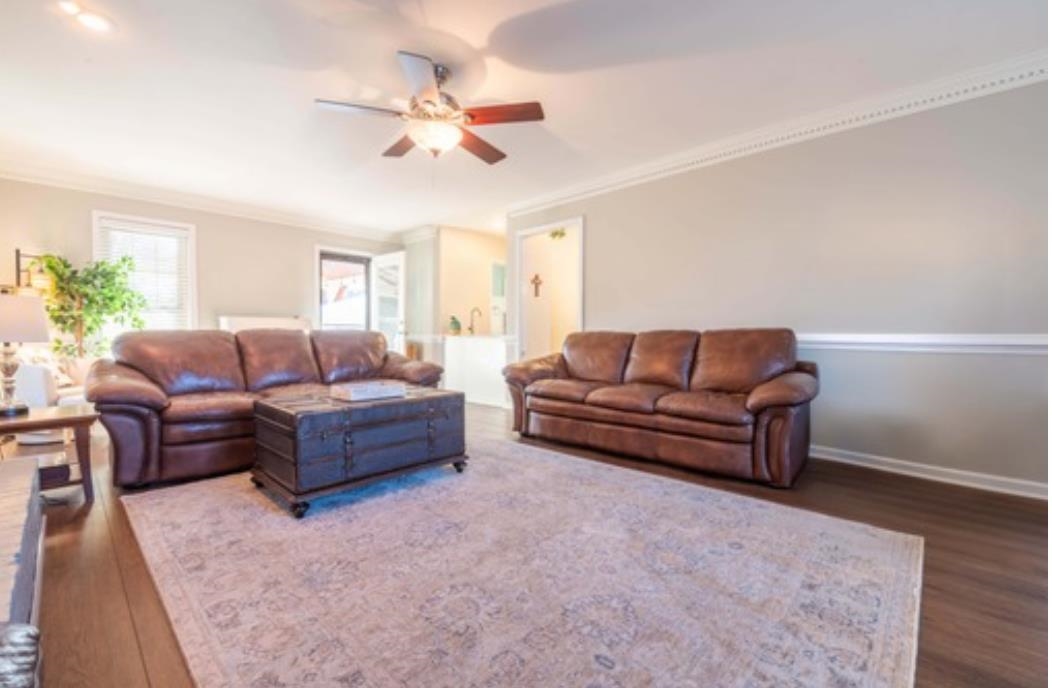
(983, 612)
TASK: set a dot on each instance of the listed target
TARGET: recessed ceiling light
(95, 22)
(69, 7)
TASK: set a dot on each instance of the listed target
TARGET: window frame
(149, 225)
(365, 257)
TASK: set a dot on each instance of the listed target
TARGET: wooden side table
(80, 418)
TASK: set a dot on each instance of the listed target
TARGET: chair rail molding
(1002, 76)
(1011, 344)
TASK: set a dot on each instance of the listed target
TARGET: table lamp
(22, 321)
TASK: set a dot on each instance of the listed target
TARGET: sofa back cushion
(739, 360)
(663, 357)
(597, 356)
(183, 361)
(276, 357)
(345, 355)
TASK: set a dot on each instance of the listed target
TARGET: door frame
(374, 301)
(577, 223)
(316, 270)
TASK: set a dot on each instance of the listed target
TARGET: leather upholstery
(201, 431)
(788, 389)
(176, 405)
(567, 390)
(301, 389)
(399, 367)
(738, 360)
(662, 357)
(526, 372)
(715, 407)
(183, 361)
(276, 357)
(209, 407)
(109, 382)
(345, 355)
(635, 396)
(203, 459)
(728, 458)
(745, 412)
(597, 356)
(651, 421)
(135, 442)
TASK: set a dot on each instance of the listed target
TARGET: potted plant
(82, 302)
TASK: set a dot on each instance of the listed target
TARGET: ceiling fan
(435, 121)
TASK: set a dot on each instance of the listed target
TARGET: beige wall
(244, 267)
(931, 223)
(465, 259)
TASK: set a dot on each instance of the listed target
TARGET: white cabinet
(473, 366)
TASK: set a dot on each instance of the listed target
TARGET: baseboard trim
(937, 343)
(981, 481)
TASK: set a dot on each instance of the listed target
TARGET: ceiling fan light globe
(434, 136)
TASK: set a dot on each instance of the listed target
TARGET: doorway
(550, 285)
(358, 291)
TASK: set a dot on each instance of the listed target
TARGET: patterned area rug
(532, 568)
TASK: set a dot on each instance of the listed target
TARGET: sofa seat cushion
(648, 421)
(715, 407)
(303, 389)
(211, 406)
(567, 390)
(638, 397)
(203, 431)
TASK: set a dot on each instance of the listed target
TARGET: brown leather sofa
(735, 402)
(179, 404)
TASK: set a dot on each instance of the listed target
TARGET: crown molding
(1022, 71)
(415, 236)
(20, 172)
(995, 344)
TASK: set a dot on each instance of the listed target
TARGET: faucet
(471, 323)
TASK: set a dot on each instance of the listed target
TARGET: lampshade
(434, 136)
(22, 319)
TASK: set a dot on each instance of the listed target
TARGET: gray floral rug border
(533, 568)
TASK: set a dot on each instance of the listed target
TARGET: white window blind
(164, 265)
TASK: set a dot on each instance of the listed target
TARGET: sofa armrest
(524, 373)
(401, 367)
(112, 383)
(788, 389)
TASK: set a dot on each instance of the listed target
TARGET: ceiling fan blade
(340, 106)
(420, 72)
(399, 147)
(476, 146)
(499, 114)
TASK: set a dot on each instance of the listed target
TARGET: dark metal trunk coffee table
(312, 446)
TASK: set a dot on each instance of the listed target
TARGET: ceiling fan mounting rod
(442, 74)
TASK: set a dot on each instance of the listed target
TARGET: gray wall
(244, 267)
(931, 223)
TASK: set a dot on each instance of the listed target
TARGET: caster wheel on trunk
(257, 482)
(299, 509)
(460, 466)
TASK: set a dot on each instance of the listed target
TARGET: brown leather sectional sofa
(179, 404)
(735, 402)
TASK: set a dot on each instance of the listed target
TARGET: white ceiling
(213, 98)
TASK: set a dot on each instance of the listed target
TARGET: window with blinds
(164, 265)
